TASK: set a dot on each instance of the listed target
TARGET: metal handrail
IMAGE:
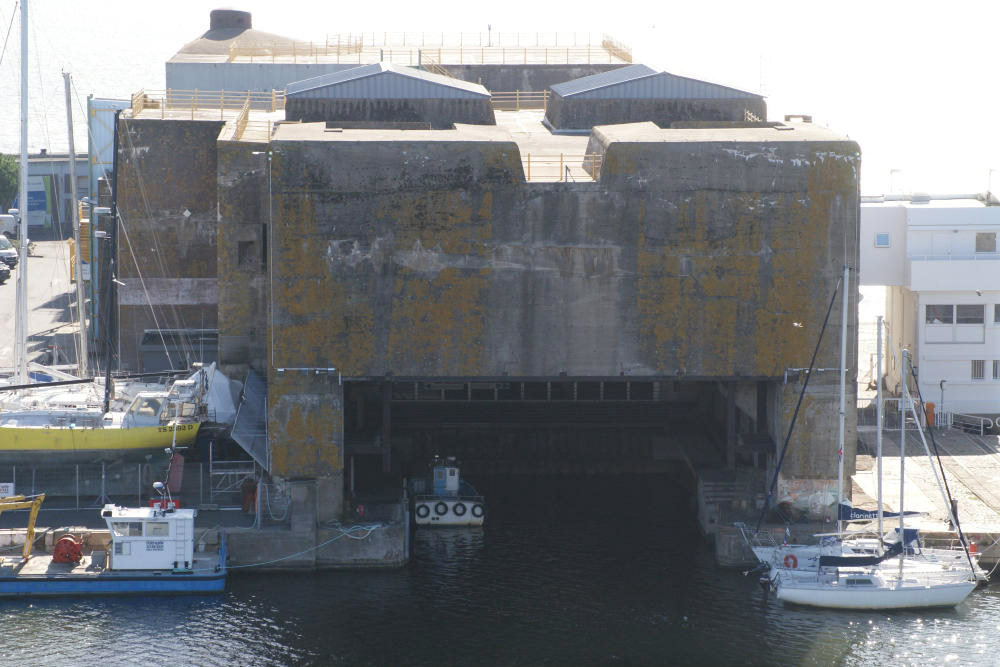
(965, 422)
(222, 100)
(519, 99)
(471, 39)
(569, 167)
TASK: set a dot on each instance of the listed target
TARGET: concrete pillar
(303, 509)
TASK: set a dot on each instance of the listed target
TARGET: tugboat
(452, 501)
(151, 552)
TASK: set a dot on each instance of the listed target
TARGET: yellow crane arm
(19, 503)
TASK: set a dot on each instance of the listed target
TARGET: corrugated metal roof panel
(601, 80)
(385, 81)
(644, 83)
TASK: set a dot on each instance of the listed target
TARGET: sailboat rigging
(82, 422)
(850, 571)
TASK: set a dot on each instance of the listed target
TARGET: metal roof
(385, 81)
(642, 82)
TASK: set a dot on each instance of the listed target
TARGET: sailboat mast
(878, 421)
(21, 320)
(843, 396)
(75, 206)
(904, 399)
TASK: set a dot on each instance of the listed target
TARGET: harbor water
(567, 571)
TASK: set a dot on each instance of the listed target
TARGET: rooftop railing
(447, 49)
(519, 99)
(562, 168)
(202, 100)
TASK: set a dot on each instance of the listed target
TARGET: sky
(913, 83)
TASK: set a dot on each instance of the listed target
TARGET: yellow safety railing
(485, 55)
(468, 39)
(211, 100)
(520, 99)
(617, 49)
(562, 168)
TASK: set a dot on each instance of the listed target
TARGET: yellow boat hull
(52, 444)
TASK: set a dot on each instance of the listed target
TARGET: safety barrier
(520, 99)
(562, 167)
(206, 100)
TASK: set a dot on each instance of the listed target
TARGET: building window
(977, 369)
(996, 313)
(940, 314)
(996, 369)
(882, 240)
(969, 314)
(986, 242)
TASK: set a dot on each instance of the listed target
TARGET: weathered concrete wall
(699, 254)
(166, 168)
(263, 76)
(530, 78)
(575, 113)
(440, 114)
(243, 256)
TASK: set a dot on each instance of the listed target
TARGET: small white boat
(452, 501)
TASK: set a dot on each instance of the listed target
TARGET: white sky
(914, 83)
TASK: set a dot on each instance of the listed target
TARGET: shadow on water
(595, 571)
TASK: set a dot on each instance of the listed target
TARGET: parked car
(4, 272)
(8, 253)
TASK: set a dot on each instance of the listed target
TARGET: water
(595, 571)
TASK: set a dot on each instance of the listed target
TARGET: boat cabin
(144, 538)
(446, 478)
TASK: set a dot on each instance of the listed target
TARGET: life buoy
(441, 508)
(791, 562)
(458, 509)
(423, 511)
(477, 510)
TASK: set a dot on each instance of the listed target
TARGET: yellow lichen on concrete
(438, 219)
(305, 425)
(438, 321)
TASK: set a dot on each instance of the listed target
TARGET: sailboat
(896, 575)
(858, 571)
(78, 420)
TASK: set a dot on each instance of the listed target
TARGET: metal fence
(226, 485)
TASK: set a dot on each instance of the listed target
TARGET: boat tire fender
(459, 509)
(477, 510)
(423, 511)
(441, 508)
(791, 562)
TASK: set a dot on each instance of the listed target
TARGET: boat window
(148, 407)
(157, 529)
(860, 582)
(126, 528)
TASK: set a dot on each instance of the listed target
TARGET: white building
(939, 258)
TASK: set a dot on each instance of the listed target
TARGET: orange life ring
(791, 562)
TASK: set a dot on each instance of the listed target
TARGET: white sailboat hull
(891, 595)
